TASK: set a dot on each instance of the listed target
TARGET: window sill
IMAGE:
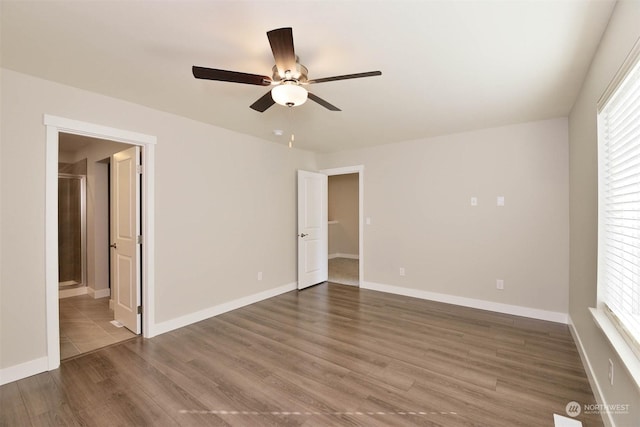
(626, 355)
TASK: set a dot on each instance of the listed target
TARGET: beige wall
(417, 195)
(621, 34)
(343, 208)
(211, 237)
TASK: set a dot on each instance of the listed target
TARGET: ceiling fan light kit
(289, 94)
(288, 76)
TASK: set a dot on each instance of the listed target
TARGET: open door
(312, 229)
(125, 229)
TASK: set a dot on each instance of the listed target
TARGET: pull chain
(293, 137)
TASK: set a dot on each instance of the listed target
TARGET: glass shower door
(71, 230)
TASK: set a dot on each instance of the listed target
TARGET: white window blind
(619, 199)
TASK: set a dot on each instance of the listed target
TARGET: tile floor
(85, 325)
(344, 271)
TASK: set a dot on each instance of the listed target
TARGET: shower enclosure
(71, 230)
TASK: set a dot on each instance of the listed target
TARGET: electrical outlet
(259, 275)
(610, 372)
(402, 271)
(500, 284)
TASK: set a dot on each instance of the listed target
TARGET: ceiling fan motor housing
(299, 74)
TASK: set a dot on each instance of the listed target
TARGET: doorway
(86, 316)
(55, 126)
(343, 221)
(345, 215)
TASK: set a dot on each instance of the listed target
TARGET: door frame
(54, 125)
(359, 169)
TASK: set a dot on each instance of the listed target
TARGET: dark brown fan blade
(346, 77)
(263, 103)
(230, 76)
(281, 41)
(322, 102)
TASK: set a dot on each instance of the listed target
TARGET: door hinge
(139, 239)
(139, 309)
(139, 169)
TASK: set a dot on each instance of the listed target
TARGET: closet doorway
(345, 204)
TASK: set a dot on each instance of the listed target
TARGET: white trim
(591, 376)
(341, 255)
(621, 74)
(517, 310)
(68, 293)
(619, 344)
(23, 370)
(55, 125)
(98, 131)
(51, 248)
(359, 169)
(188, 319)
(99, 293)
(562, 421)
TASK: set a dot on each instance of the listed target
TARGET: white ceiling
(447, 66)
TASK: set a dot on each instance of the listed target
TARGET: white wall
(417, 195)
(621, 34)
(224, 208)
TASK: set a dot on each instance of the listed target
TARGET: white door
(312, 229)
(125, 229)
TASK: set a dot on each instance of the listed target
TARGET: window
(619, 202)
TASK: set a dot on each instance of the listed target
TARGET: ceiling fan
(289, 76)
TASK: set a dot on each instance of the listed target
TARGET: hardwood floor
(328, 355)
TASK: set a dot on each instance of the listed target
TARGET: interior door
(312, 229)
(125, 229)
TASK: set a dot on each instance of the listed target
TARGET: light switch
(474, 201)
(368, 221)
(500, 201)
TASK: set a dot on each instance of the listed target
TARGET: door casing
(54, 125)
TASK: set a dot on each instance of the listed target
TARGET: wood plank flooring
(330, 355)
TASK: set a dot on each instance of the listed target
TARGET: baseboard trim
(593, 381)
(179, 322)
(24, 370)
(341, 255)
(68, 293)
(99, 293)
(517, 310)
